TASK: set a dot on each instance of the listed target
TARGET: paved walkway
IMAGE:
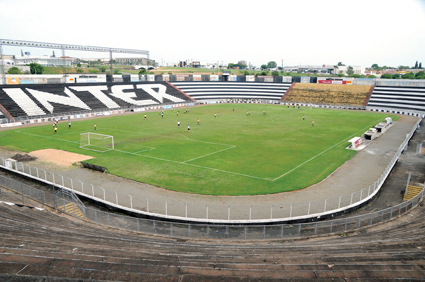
(357, 173)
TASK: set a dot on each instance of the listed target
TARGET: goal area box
(96, 142)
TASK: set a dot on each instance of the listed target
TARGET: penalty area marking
(324, 151)
(19, 131)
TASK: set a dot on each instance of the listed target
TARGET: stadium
(205, 178)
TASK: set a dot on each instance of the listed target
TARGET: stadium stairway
(411, 192)
(72, 209)
(42, 244)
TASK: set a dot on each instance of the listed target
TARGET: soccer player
(198, 121)
(233, 108)
(162, 115)
(303, 117)
(178, 123)
(95, 127)
(312, 123)
(56, 129)
(145, 116)
(188, 128)
(69, 125)
(215, 115)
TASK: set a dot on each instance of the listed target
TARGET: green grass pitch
(231, 154)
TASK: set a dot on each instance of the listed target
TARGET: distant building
(131, 61)
(324, 69)
(310, 69)
(356, 70)
(46, 61)
(8, 61)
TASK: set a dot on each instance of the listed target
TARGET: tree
(350, 71)
(416, 65)
(402, 67)
(271, 65)
(36, 68)
(231, 66)
(396, 76)
(419, 74)
(142, 71)
(79, 65)
(420, 65)
(80, 70)
(340, 64)
(409, 75)
(242, 64)
(263, 67)
(374, 66)
(14, 70)
(246, 72)
(102, 69)
(275, 73)
(341, 74)
(371, 76)
(386, 76)
(117, 71)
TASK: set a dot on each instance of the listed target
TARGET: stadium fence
(14, 191)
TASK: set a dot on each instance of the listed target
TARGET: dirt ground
(59, 157)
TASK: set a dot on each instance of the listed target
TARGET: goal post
(96, 142)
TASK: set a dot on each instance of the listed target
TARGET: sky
(307, 32)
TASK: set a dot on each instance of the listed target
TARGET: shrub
(14, 70)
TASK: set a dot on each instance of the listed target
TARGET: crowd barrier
(61, 200)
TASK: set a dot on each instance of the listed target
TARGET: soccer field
(230, 154)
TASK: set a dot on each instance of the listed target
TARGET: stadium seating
(398, 98)
(45, 244)
(328, 94)
(233, 90)
(41, 100)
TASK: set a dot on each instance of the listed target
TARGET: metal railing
(69, 197)
(227, 232)
(18, 192)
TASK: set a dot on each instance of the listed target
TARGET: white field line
(193, 140)
(19, 131)
(205, 167)
(150, 148)
(324, 151)
(209, 154)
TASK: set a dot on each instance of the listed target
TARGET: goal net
(96, 142)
